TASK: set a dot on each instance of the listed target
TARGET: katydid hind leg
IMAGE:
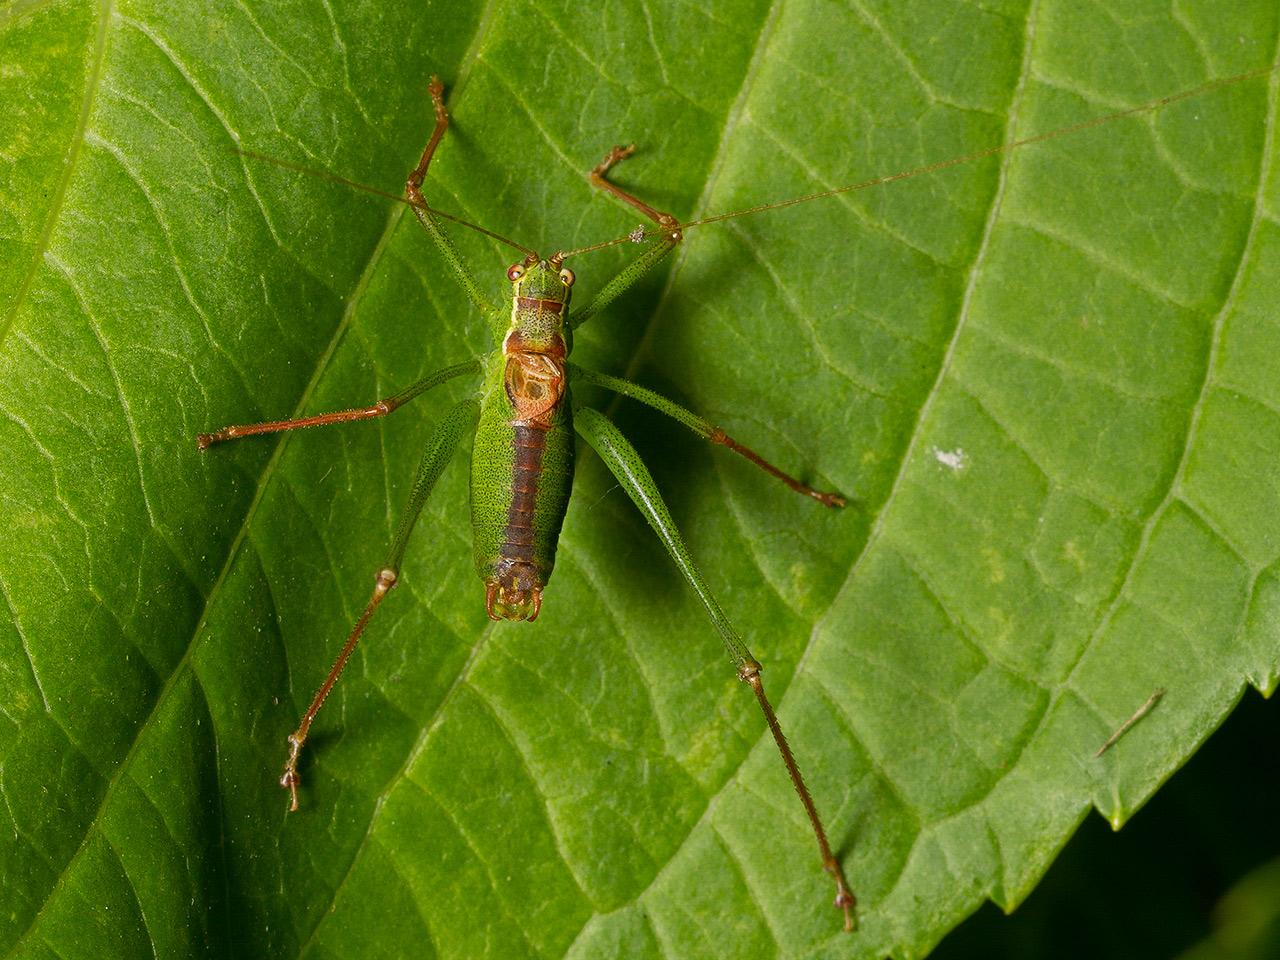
(629, 470)
(704, 428)
(379, 408)
(439, 450)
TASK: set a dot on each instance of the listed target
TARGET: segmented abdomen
(520, 479)
(518, 540)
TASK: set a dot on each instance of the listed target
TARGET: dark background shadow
(1151, 889)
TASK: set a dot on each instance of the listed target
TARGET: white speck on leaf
(956, 459)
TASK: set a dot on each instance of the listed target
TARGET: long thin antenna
(641, 235)
(321, 174)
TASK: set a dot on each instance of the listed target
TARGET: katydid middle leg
(625, 464)
(378, 409)
(439, 449)
(703, 428)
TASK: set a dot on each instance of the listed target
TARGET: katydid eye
(566, 277)
(515, 272)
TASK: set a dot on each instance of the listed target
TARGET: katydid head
(538, 279)
(540, 292)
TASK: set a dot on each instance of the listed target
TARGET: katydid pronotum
(523, 417)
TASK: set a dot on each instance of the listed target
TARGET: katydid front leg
(413, 193)
(671, 235)
(625, 464)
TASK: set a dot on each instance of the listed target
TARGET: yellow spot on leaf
(995, 562)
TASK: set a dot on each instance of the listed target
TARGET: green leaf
(1047, 377)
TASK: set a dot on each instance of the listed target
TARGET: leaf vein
(92, 84)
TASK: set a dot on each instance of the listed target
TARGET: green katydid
(523, 417)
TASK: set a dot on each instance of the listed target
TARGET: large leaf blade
(1011, 564)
